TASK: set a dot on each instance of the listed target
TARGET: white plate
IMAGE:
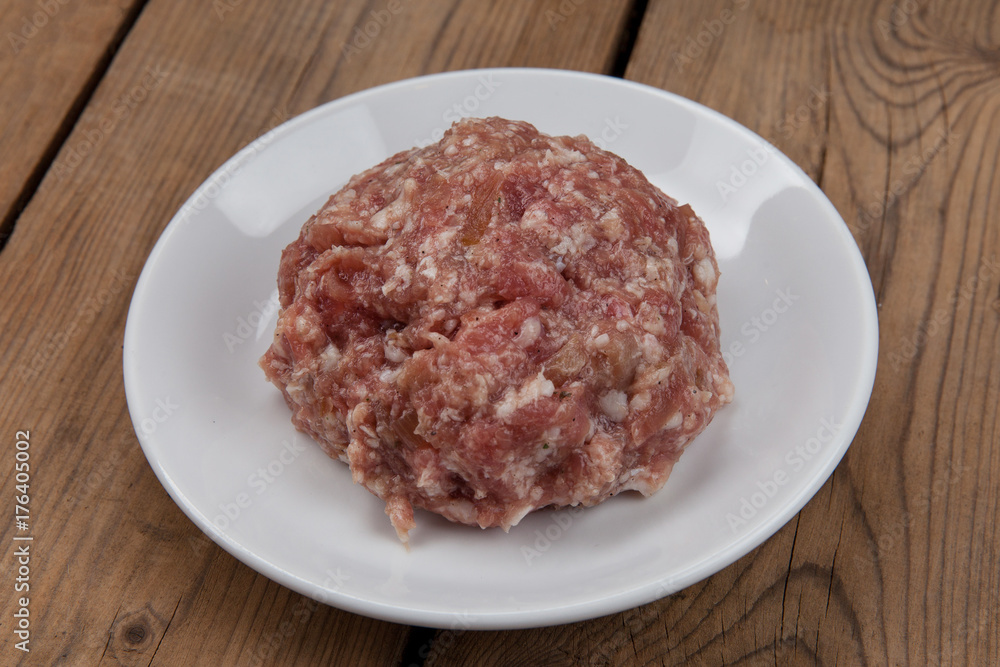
(799, 329)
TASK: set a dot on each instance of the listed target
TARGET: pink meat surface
(499, 322)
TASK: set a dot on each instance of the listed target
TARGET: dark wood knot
(135, 633)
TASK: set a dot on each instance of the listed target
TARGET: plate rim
(630, 597)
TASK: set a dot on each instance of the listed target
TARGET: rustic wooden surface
(53, 56)
(114, 112)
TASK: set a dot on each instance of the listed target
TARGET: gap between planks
(48, 156)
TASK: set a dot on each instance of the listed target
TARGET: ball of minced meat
(499, 322)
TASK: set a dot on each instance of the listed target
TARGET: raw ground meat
(499, 322)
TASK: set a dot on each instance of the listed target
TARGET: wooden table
(113, 111)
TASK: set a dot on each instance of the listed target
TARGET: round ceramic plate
(799, 331)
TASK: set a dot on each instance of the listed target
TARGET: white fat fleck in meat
(394, 354)
(434, 243)
(614, 404)
(329, 358)
(535, 218)
(635, 289)
(611, 224)
(561, 157)
(400, 279)
(388, 375)
(468, 297)
(439, 341)
(428, 479)
(380, 221)
(518, 513)
(704, 273)
(304, 326)
(355, 227)
(651, 320)
(675, 420)
(536, 387)
(299, 383)
(528, 332)
(578, 241)
(639, 402)
(644, 483)
(652, 269)
(652, 350)
(356, 416)
(427, 267)
(442, 291)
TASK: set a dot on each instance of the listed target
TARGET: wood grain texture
(119, 574)
(53, 54)
(893, 110)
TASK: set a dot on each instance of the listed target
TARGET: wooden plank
(892, 109)
(122, 576)
(53, 53)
